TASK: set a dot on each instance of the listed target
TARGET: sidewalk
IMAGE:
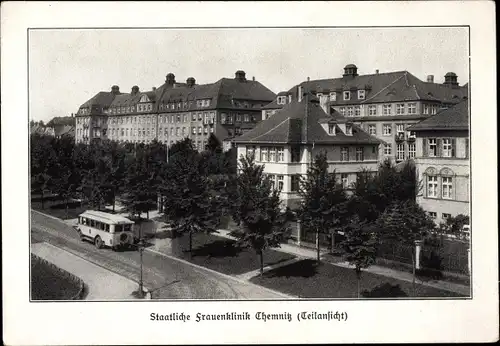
(101, 283)
(302, 252)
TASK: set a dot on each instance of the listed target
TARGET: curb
(284, 295)
(49, 216)
(146, 290)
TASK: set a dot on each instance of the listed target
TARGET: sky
(67, 67)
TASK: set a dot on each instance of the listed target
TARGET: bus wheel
(98, 242)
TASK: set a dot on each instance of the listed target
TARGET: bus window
(103, 226)
(107, 228)
(118, 228)
(92, 223)
(126, 228)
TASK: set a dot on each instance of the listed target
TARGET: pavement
(165, 276)
(101, 283)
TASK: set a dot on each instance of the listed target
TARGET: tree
(42, 158)
(454, 225)
(257, 209)
(191, 206)
(359, 246)
(324, 202)
(405, 222)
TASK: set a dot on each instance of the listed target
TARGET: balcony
(400, 136)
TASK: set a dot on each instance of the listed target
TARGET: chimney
(115, 89)
(190, 82)
(350, 71)
(450, 79)
(135, 90)
(430, 78)
(253, 78)
(153, 88)
(308, 79)
(376, 71)
(240, 75)
(170, 79)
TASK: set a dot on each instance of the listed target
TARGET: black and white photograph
(261, 164)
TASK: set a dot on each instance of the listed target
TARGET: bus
(104, 229)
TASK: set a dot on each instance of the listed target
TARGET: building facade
(226, 108)
(443, 163)
(383, 104)
(287, 142)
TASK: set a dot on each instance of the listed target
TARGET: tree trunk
(261, 254)
(190, 245)
(317, 246)
(114, 201)
(66, 200)
(147, 214)
(332, 242)
(358, 277)
(413, 270)
(42, 200)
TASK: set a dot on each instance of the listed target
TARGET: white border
(391, 321)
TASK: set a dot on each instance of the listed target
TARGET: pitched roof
(301, 122)
(453, 118)
(101, 99)
(386, 87)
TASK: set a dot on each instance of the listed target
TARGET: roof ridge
(384, 88)
(363, 75)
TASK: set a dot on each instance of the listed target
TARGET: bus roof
(106, 217)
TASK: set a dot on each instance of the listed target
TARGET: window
(426, 108)
(205, 130)
(432, 186)
(333, 96)
(250, 151)
(281, 154)
(432, 214)
(193, 130)
(223, 118)
(432, 147)
(447, 187)
(400, 128)
(446, 216)
(295, 154)
(295, 183)
(344, 154)
(350, 111)
(246, 118)
(281, 180)
(412, 108)
(186, 118)
(238, 118)
(272, 154)
(400, 152)
(331, 129)
(387, 129)
(263, 154)
(193, 117)
(348, 129)
(372, 110)
(447, 147)
(183, 131)
(178, 118)
(342, 110)
(199, 130)
(434, 109)
(272, 179)
(171, 131)
(400, 108)
(281, 100)
(359, 154)
(347, 95)
(372, 129)
(361, 94)
(387, 149)
(357, 111)
(344, 178)
(387, 109)
(411, 150)
(177, 129)
(230, 119)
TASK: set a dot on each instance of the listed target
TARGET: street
(166, 278)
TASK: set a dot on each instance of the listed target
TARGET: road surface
(166, 278)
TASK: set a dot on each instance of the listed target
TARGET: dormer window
(331, 129)
(348, 129)
(361, 94)
(281, 100)
(347, 95)
(333, 96)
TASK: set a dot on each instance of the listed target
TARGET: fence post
(418, 247)
(469, 260)
(299, 228)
